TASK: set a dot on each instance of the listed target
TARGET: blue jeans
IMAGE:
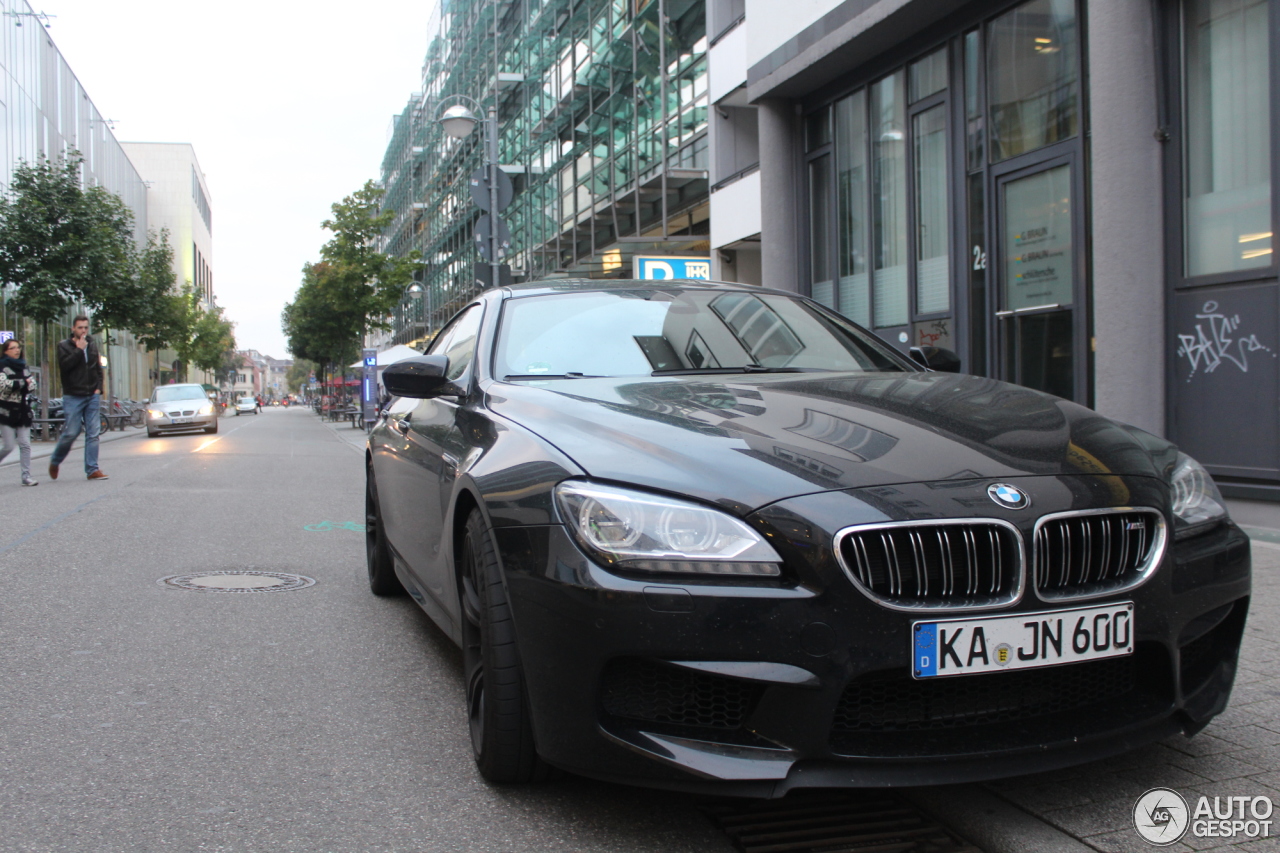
(79, 412)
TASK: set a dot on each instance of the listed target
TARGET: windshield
(173, 393)
(656, 332)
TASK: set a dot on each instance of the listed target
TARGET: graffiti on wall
(1216, 341)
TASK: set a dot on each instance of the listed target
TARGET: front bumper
(759, 689)
(189, 422)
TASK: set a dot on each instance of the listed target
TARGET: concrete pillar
(779, 209)
(1127, 217)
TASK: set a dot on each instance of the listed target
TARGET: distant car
(246, 405)
(174, 408)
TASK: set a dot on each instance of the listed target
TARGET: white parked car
(246, 406)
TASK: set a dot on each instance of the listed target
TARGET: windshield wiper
(570, 375)
(746, 368)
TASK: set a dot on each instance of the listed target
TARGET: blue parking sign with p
(666, 267)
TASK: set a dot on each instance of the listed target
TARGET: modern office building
(1075, 195)
(602, 120)
(47, 113)
(179, 201)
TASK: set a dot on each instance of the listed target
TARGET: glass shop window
(1227, 155)
(1033, 76)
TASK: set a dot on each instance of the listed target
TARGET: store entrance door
(1038, 327)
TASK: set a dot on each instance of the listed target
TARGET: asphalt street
(137, 717)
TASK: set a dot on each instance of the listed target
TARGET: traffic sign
(671, 266)
(484, 229)
(479, 182)
(5, 337)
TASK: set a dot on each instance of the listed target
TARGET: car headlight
(651, 533)
(155, 413)
(1197, 503)
(206, 409)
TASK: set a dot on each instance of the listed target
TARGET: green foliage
(60, 245)
(210, 337)
(348, 292)
(319, 323)
(298, 374)
(167, 320)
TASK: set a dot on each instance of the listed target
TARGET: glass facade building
(44, 111)
(602, 122)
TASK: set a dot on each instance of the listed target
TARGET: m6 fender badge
(1009, 497)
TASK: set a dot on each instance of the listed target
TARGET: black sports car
(709, 536)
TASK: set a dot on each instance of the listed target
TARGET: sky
(287, 104)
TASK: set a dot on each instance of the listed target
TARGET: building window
(933, 245)
(1227, 154)
(851, 198)
(1034, 77)
(889, 201)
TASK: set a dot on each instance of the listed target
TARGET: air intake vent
(1096, 552)
(970, 564)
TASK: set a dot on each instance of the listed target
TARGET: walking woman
(16, 385)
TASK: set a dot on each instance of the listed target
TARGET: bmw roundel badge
(1009, 497)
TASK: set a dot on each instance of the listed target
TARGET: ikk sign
(664, 267)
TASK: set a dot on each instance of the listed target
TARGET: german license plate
(1022, 641)
(182, 420)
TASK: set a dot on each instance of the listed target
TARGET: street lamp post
(414, 292)
(459, 121)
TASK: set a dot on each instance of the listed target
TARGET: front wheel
(497, 702)
(212, 430)
(382, 572)
(152, 433)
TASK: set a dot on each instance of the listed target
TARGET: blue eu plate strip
(924, 657)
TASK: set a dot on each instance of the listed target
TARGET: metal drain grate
(833, 822)
(236, 580)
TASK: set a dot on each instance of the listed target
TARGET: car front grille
(1091, 553)
(946, 564)
(901, 703)
(650, 692)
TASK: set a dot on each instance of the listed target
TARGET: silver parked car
(247, 406)
(180, 407)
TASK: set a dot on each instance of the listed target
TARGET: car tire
(212, 430)
(497, 702)
(382, 571)
(151, 433)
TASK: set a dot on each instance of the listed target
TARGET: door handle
(400, 425)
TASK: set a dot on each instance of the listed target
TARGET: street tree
(61, 244)
(298, 374)
(353, 287)
(374, 280)
(320, 324)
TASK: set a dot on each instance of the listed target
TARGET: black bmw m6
(705, 536)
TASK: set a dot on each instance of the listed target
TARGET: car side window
(460, 348)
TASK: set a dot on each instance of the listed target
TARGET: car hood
(749, 441)
(180, 404)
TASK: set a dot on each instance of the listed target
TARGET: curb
(991, 822)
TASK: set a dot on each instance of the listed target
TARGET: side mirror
(421, 377)
(936, 358)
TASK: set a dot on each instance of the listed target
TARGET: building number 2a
(979, 258)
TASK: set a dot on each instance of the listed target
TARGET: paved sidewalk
(1237, 755)
(343, 430)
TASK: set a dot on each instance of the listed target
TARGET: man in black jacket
(81, 366)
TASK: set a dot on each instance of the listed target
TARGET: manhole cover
(237, 581)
